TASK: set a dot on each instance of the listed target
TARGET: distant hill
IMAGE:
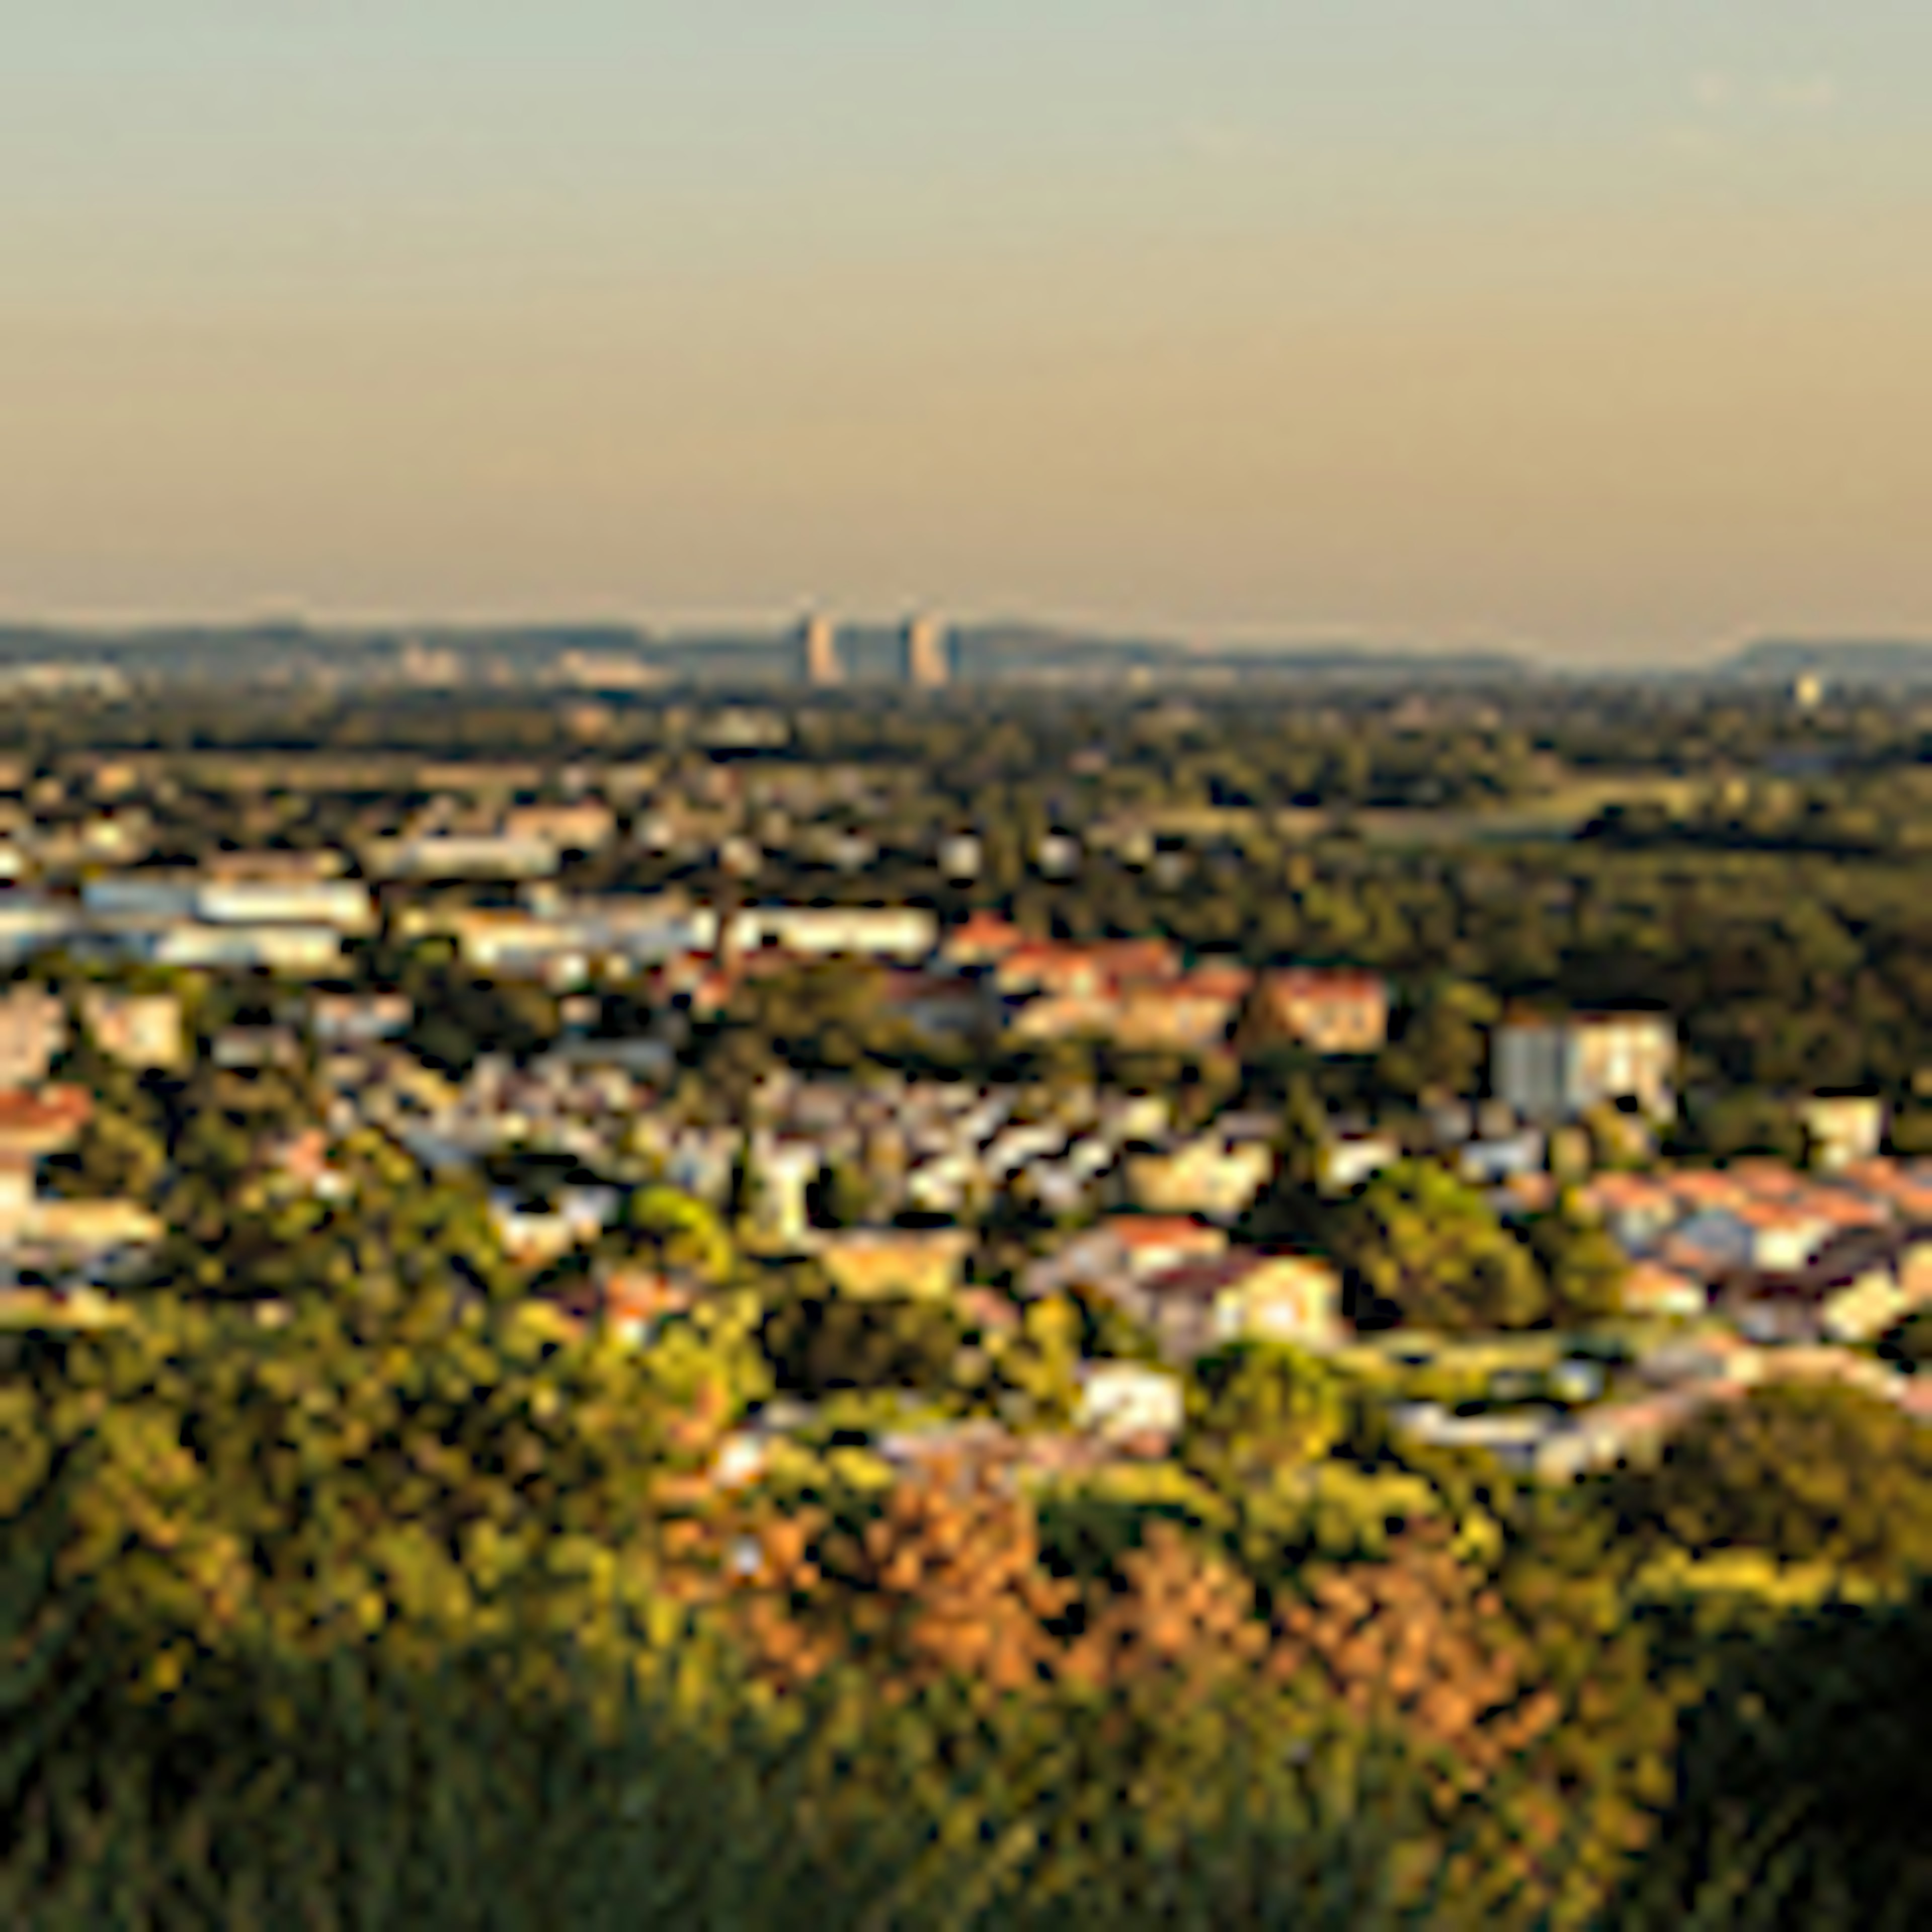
(1874, 662)
(1000, 651)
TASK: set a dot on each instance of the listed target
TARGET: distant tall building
(928, 662)
(822, 663)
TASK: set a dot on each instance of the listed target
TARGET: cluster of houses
(1784, 1256)
(1780, 1265)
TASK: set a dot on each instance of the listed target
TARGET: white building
(1121, 1400)
(1549, 1069)
(454, 855)
(300, 952)
(900, 932)
(29, 924)
(344, 904)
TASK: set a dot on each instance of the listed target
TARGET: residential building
(344, 904)
(782, 1170)
(1205, 1176)
(33, 1030)
(1349, 1160)
(1125, 1249)
(1558, 1069)
(1651, 1289)
(1328, 1011)
(982, 938)
(903, 932)
(1844, 1129)
(359, 1019)
(961, 856)
(888, 1264)
(581, 825)
(31, 924)
(143, 1030)
(298, 952)
(459, 855)
(33, 1125)
(1239, 1296)
(1130, 1402)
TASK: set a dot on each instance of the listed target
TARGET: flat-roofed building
(1556, 1069)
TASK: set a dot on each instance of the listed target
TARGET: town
(1245, 1153)
(923, 1178)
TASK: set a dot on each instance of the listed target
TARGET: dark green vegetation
(344, 1587)
(365, 1596)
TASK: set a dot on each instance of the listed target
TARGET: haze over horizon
(1597, 334)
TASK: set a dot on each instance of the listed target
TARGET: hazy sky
(1599, 326)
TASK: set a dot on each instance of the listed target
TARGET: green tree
(1258, 1408)
(678, 1233)
(1807, 1472)
(1582, 1266)
(115, 1156)
(1443, 1044)
(838, 1196)
(1419, 1244)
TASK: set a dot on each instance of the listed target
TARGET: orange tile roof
(1161, 1230)
(50, 1110)
(1333, 983)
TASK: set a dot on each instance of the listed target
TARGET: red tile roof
(52, 1110)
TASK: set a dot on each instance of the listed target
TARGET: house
(782, 1170)
(636, 1301)
(1241, 1295)
(890, 1264)
(960, 855)
(1049, 966)
(1768, 1236)
(1859, 1284)
(1558, 1069)
(905, 932)
(1187, 1015)
(256, 1046)
(1205, 1176)
(1650, 1288)
(1489, 1162)
(1348, 1159)
(359, 1019)
(30, 924)
(1130, 1402)
(1844, 1130)
(1520, 1439)
(343, 904)
(982, 939)
(1328, 1011)
(143, 1030)
(297, 952)
(91, 1230)
(583, 825)
(33, 1125)
(33, 1031)
(1126, 1248)
(459, 855)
